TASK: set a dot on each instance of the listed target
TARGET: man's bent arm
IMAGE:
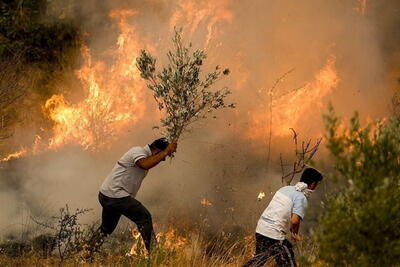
(150, 162)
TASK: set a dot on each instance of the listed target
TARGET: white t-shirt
(126, 178)
(275, 220)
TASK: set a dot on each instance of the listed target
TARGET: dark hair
(311, 175)
(160, 143)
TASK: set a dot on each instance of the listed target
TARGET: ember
(205, 202)
(260, 196)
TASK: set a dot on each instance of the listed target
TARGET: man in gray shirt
(118, 191)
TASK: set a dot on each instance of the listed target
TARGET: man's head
(158, 145)
(311, 177)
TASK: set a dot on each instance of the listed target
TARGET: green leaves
(146, 65)
(179, 90)
(361, 223)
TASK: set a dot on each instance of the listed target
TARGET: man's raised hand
(171, 148)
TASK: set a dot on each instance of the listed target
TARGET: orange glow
(290, 108)
(194, 13)
(362, 6)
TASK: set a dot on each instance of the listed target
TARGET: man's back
(275, 220)
(125, 178)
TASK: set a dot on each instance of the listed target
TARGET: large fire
(113, 91)
(289, 109)
(112, 103)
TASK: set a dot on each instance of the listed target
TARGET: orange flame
(205, 202)
(260, 196)
(22, 152)
(293, 107)
(171, 239)
(194, 13)
(112, 102)
(168, 240)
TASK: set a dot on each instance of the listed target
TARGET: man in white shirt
(118, 191)
(284, 212)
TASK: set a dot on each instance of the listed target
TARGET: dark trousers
(113, 208)
(267, 247)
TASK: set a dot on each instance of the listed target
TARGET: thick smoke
(258, 41)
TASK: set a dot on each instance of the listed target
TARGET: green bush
(360, 225)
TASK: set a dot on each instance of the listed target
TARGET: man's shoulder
(291, 192)
(136, 149)
(140, 149)
(288, 189)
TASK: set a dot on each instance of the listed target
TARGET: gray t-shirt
(125, 178)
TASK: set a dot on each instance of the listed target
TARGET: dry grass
(188, 249)
(173, 250)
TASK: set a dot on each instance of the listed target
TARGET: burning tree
(180, 92)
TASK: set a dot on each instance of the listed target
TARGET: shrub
(44, 244)
(360, 225)
(68, 237)
(14, 248)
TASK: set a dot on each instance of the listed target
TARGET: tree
(35, 49)
(26, 31)
(41, 41)
(360, 225)
(12, 88)
(179, 90)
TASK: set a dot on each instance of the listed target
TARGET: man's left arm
(295, 226)
(150, 162)
(298, 212)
